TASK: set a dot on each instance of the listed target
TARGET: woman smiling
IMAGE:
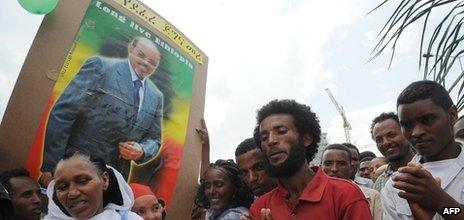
(223, 192)
(85, 188)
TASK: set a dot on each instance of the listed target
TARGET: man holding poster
(110, 109)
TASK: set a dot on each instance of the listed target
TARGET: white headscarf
(110, 211)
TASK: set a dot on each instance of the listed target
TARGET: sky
(262, 50)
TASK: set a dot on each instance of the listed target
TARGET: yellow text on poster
(163, 26)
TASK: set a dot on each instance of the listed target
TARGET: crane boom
(346, 124)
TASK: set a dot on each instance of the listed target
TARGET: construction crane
(346, 124)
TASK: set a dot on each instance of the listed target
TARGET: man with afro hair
(288, 135)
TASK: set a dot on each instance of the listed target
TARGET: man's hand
(265, 215)
(45, 179)
(130, 150)
(422, 191)
(246, 216)
(419, 212)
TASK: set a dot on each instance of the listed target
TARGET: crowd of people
(420, 174)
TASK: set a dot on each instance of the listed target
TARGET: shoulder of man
(152, 87)
(369, 193)
(105, 63)
(346, 192)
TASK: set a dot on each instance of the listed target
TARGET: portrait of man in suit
(110, 109)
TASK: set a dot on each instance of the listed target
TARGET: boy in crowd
(433, 181)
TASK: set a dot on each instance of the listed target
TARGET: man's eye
(263, 138)
(27, 194)
(260, 166)
(428, 120)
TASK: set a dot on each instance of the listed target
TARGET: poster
(96, 106)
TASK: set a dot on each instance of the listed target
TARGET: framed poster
(128, 87)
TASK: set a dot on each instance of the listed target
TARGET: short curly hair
(243, 195)
(245, 146)
(306, 121)
(382, 117)
(425, 89)
(6, 176)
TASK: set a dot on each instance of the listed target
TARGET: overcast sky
(262, 50)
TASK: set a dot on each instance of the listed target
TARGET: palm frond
(443, 41)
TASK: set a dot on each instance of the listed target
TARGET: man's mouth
(391, 149)
(275, 152)
(37, 210)
(332, 174)
(422, 143)
(256, 188)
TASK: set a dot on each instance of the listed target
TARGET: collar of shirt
(361, 180)
(388, 172)
(313, 191)
(446, 169)
(134, 75)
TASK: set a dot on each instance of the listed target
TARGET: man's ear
(453, 114)
(307, 139)
(353, 168)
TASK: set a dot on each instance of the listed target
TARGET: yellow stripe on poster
(160, 24)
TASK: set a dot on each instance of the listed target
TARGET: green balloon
(39, 7)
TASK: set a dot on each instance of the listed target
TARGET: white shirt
(135, 77)
(451, 172)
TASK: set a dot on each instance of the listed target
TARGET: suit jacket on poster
(96, 112)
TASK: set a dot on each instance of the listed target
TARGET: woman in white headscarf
(85, 188)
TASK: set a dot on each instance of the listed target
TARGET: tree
(440, 45)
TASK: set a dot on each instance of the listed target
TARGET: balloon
(38, 7)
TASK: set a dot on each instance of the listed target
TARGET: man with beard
(250, 160)
(386, 132)
(433, 180)
(24, 194)
(288, 135)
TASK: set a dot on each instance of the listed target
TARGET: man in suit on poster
(111, 109)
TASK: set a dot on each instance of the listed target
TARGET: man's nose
(334, 168)
(417, 131)
(272, 139)
(253, 177)
(36, 198)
